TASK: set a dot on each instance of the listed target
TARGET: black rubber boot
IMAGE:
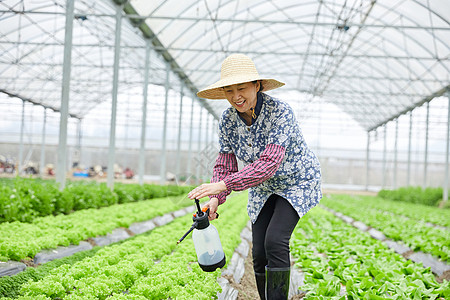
(261, 285)
(277, 283)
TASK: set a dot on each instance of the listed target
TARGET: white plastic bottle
(207, 244)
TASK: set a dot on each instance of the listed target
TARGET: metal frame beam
(29, 100)
(135, 17)
(159, 48)
(427, 99)
(256, 53)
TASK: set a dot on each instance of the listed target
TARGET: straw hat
(237, 68)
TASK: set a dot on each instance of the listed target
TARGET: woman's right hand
(212, 204)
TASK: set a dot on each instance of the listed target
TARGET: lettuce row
(21, 240)
(11, 285)
(415, 211)
(24, 199)
(416, 235)
(430, 196)
(150, 266)
(341, 262)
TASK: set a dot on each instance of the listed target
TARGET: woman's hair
(260, 85)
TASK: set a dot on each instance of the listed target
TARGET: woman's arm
(258, 171)
(226, 164)
(226, 178)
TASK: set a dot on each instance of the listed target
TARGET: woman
(281, 172)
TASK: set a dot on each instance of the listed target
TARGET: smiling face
(242, 96)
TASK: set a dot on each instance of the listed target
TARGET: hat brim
(215, 91)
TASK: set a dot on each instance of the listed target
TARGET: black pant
(271, 233)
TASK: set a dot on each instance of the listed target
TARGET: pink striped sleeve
(226, 164)
(258, 171)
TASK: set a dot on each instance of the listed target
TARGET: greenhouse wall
(345, 167)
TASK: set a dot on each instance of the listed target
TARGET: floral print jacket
(298, 177)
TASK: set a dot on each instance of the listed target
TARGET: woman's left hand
(208, 189)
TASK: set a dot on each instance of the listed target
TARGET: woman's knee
(275, 244)
(277, 252)
(259, 260)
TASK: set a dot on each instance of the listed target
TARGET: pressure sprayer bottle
(207, 244)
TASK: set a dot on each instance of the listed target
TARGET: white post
(22, 128)
(207, 130)
(112, 132)
(199, 142)
(191, 133)
(367, 160)
(64, 113)
(79, 137)
(144, 114)
(425, 163)
(213, 128)
(384, 156)
(408, 175)
(162, 174)
(42, 163)
(180, 119)
(445, 186)
(395, 154)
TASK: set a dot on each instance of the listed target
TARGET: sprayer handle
(206, 210)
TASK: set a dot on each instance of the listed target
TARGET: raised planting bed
(24, 199)
(148, 266)
(415, 234)
(342, 262)
(19, 240)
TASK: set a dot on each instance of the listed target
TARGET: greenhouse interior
(103, 132)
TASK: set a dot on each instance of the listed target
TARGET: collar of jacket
(259, 103)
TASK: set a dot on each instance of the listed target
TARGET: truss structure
(375, 59)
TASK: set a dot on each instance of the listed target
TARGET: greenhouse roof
(374, 59)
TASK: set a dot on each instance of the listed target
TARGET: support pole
(180, 118)
(213, 128)
(22, 128)
(395, 154)
(367, 160)
(207, 144)
(206, 149)
(144, 113)
(78, 147)
(207, 130)
(112, 133)
(445, 187)
(408, 175)
(164, 137)
(384, 156)
(199, 143)
(64, 113)
(425, 163)
(42, 163)
(191, 133)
